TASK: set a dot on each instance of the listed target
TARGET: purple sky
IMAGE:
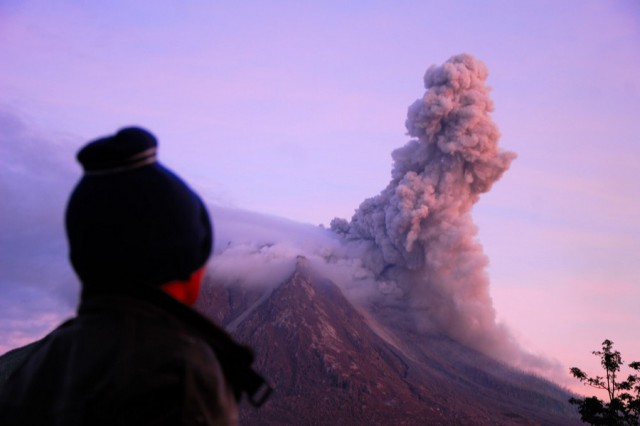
(293, 108)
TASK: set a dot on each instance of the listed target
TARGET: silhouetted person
(136, 353)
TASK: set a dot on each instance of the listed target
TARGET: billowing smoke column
(420, 227)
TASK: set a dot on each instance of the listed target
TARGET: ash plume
(419, 231)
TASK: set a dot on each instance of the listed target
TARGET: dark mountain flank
(332, 364)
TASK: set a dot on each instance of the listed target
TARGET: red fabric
(186, 291)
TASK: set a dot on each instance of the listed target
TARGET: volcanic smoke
(419, 231)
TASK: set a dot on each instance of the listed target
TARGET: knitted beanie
(130, 221)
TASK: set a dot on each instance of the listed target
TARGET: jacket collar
(235, 359)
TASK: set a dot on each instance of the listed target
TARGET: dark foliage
(623, 407)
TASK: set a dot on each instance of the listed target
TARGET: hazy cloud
(38, 285)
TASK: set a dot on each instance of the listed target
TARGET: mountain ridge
(330, 366)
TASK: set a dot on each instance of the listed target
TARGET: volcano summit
(387, 318)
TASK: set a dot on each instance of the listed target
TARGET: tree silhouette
(623, 407)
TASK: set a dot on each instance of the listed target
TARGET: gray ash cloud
(419, 230)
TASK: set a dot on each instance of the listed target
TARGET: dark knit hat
(130, 221)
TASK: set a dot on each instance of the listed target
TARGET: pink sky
(293, 109)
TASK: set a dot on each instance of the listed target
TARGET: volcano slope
(334, 364)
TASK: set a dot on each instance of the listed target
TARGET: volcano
(334, 363)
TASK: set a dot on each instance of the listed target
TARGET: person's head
(132, 222)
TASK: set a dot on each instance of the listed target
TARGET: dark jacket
(132, 358)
